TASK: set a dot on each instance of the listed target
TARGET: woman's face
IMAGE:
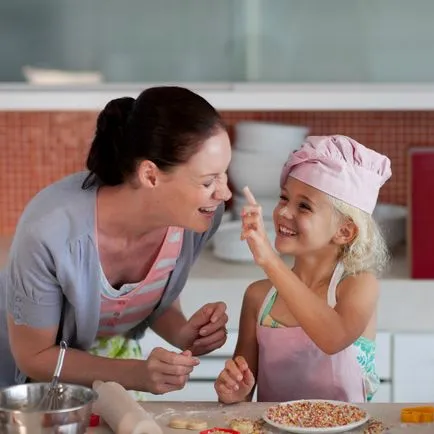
(193, 191)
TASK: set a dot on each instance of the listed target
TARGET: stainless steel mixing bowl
(18, 414)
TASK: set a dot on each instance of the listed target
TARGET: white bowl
(55, 76)
(268, 204)
(269, 137)
(260, 173)
(229, 247)
(392, 220)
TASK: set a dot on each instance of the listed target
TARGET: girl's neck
(315, 271)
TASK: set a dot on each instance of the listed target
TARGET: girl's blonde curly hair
(368, 250)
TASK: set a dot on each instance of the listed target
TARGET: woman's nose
(222, 191)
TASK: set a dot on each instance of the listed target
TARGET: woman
(101, 255)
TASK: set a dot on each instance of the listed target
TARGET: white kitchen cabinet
(383, 356)
(413, 367)
(383, 361)
(201, 385)
(152, 340)
(384, 393)
(193, 391)
(257, 41)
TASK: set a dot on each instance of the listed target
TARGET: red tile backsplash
(37, 148)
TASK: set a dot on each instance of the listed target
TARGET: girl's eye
(305, 206)
(283, 198)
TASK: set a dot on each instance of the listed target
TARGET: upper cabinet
(267, 41)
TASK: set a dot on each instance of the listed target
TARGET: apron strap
(334, 282)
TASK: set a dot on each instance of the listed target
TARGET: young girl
(309, 332)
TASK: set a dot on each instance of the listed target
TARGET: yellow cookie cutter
(417, 414)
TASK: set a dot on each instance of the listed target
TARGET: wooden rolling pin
(121, 412)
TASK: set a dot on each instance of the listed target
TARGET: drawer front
(413, 368)
(193, 391)
(209, 368)
(383, 356)
(152, 340)
(384, 393)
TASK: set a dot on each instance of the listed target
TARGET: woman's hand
(235, 382)
(166, 371)
(253, 230)
(206, 330)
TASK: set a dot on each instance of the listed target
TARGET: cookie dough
(188, 423)
(243, 425)
(197, 424)
(178, 423)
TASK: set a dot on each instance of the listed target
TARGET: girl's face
(305, 220)
(193, 191)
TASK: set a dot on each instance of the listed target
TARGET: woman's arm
(169, 323)
(35, 302)
(35, 354)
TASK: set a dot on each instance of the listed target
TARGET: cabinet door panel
(384, 393)
(193, 391)
(383, 357)
(413, 368)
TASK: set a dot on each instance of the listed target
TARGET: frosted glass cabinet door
(154, 41)
(222, 41)
(28, 36)
(311, 41)
(344, 41)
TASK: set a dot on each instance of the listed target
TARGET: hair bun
(116, 113)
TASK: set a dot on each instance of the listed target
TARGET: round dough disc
(243, 425)
(197, 424)
(178, 423)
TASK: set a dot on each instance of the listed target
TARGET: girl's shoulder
(256, 292)
(364, 281)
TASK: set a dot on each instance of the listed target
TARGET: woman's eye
(209, 183)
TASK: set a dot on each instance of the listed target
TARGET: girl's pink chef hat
(340, 167)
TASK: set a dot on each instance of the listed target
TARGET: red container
(420, 239)
(216, 429)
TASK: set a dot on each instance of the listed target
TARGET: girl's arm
(332, 329)
(247, 344)
(245, 359)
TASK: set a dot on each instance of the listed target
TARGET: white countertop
(405, 306)
(218, 415)
(229, 96)
(207, 266)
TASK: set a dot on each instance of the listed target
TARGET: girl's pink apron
(291, 366)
